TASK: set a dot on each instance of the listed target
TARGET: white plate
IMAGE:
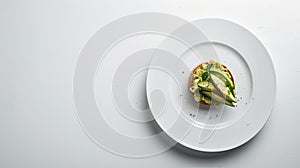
(213, 129)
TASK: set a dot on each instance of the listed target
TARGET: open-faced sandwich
(212, 84)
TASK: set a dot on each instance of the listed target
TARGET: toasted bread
(194, 72)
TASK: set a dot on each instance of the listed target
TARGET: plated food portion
(211, 83)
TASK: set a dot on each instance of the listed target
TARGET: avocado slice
(206, 99)
(221, 86)
(206, 85)
(197, 95)
(217, 98)
(224, 77)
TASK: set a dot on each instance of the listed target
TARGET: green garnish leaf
(227, 83)
(205, 75)
(208, 67)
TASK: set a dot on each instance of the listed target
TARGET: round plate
(211, 129)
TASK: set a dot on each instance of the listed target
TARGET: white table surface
(40, 42)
